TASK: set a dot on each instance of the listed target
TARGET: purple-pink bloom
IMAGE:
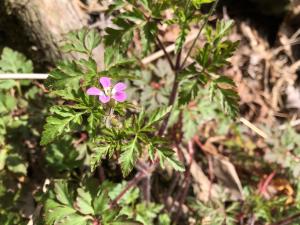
(117, 92)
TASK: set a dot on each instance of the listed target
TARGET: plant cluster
(118, 139)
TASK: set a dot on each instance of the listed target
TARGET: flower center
(107, 91)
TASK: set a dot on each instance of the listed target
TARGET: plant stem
(186, 181)
(173, 94)
(108, 117)
(165, 52)
(138, 177)
(171, 103)
(213, 8)
(177, 68)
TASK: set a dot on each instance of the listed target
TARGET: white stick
(254, 128)
(24, 76)
(43, 76)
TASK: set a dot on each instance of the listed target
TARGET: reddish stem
(187, 180)
(266, 183)
(96, 222)
(138, 177)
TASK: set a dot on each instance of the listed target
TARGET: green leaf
(75, 219)
(148, 36)
(198, 3)
(16, 164)
(110, 215)
(7, 84)
(62, 121)
(135, 16)
(122, 36)
(113, 58)
(146, 213)
(14, 62)
(129, 198)
(67, 74)
(92, 40)
(191, 81)
(82, 41)
(169, 155)
(157, 116)
(101, 203)
(99, 153)
(84, 202)
(227, 95)
(225, 80)
(223, 28)
(75, 41)
(181, 38)
(54, 212)
(145, 3)
(184, 17)
(188, 91)
(164, 219)
(129, 156)
(125, 222)
(62, 193)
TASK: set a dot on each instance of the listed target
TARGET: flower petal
(93, 91)
(104, 99)
(120, 96)
(105, 81)
(119, 87)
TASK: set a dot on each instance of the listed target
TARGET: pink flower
(117, 92)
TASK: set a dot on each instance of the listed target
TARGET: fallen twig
(254, 128)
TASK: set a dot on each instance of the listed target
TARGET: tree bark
(46, 22)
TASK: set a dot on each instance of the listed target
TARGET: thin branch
(213, 8)
(187, 181)
(171, 102)
(138, 177)
(171, 190)
(170, 48)
(182, 199)
(173, 95)
(166, 53)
